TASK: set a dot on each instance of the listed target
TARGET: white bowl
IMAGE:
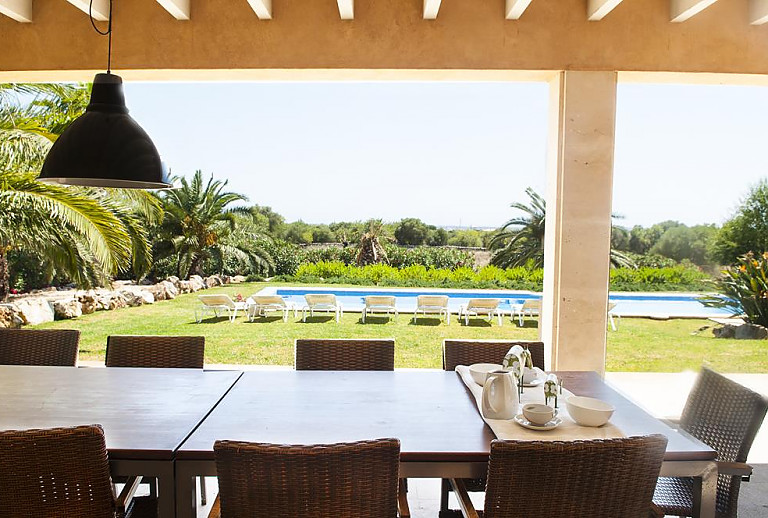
(538, 414)
(588, 411)
(479, 371)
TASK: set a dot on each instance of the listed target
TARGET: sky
(451, 154)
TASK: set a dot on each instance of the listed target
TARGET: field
(641, 345)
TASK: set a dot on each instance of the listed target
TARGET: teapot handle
(487, 394)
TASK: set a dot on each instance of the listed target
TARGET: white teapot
(500, 395)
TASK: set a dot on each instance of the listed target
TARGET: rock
(226, 279)
(34, 311)
(196, 283)
(87, 301)
(741, 332)
(727, 331)
(9, 317)
(134, 298)
(213, 281)
(751, 332)
(237, 279)
(183, 287)
(116, 301)
(170, 289)
(65, 309)
(163, 290)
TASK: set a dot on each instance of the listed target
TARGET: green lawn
(638, 345)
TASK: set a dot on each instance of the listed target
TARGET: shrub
(491, 277)
(747, 284)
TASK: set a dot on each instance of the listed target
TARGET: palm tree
(88, 234)
(520, 242)
(370, 249)
(200, 225)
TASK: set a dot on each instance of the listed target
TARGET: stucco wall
(390, 34)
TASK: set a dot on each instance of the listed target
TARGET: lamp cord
(107, 33)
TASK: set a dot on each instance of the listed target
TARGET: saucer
(525, 423)
(534, 383)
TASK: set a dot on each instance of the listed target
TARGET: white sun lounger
(531, 308)
(379, 304)
(217, 304)
(260, 305)
(477, 307)
(322, 302)
(432, 305)
(611, 314)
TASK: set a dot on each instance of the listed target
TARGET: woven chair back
(348, 480)
(467, 352)
(345, 355)
(159, 352)
(726, 416)
(600, 479)
(59, 472)
(56, 347)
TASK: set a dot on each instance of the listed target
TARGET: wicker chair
(159, 352)
(599, 479)
(58, 472)
(726, 416)
(345, 355)
(347, 480)
(57, 347)
(467, 352)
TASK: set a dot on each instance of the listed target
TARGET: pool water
(659, 305)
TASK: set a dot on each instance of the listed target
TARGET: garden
(639, 344)
(55, 238)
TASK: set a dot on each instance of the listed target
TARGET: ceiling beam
(516, 8)
(758, 12)
(431, 7)
(179, 9)
(681, 10)
(100, 10)
(19, 10)
(346, 9)
(598, 9)
(262, 8)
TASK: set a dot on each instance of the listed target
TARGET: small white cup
(538, 414)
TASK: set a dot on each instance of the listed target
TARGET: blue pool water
(662, 305)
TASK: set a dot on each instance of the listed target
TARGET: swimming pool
(656, 305)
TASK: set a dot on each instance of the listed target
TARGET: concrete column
(578, 228)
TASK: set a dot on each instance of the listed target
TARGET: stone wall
(51, 304)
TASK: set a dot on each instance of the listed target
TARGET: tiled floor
(662, 395)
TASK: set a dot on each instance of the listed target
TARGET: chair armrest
(125, 497)
(672, 422)
(215, 508)
(467, 509)
(734, 469)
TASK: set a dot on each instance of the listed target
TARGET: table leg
(162, 470)
(187, 472)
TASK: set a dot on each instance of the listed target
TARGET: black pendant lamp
(105, 147)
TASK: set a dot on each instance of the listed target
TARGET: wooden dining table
(146, 413)
(432, 413)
